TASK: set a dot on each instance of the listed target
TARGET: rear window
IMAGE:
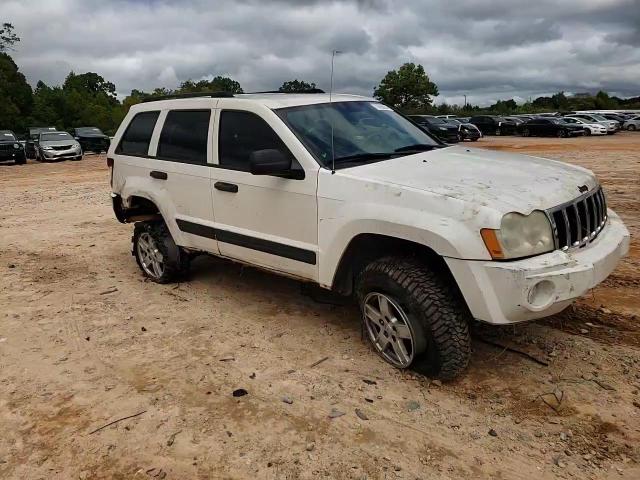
(137, 137)
(184, 136)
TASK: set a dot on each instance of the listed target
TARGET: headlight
(16, 146)
(442, 128)
(47, 148)
(519, 236)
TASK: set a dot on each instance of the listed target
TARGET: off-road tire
(176, 261)
(435, 308)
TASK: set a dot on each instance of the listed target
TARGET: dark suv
(91, 139)
(490, 125)
(439, 127)
(10, 148)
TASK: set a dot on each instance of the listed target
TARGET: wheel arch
(136, 208)
(367, 247)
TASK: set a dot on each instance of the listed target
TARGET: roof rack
(309, 90)
(189, 95)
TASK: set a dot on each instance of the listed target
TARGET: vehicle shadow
(494, 347)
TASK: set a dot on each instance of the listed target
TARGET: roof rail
(309, 90)
(188, 95)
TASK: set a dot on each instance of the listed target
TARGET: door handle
(226, 187)
(158, 175)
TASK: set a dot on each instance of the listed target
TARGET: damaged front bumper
(536, 287)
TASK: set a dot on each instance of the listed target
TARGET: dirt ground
(84, 341)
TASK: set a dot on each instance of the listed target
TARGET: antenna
(333, 153)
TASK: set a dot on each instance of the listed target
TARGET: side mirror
(269, 162)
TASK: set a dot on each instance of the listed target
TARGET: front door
(259, 219)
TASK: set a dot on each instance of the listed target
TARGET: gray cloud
(486, 49)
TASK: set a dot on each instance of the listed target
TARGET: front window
(356, 132)
(7, 136)
(52, 137)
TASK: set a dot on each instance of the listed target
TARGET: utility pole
(465, 100)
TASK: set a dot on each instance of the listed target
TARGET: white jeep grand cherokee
(427, 236)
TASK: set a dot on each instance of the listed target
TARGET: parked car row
(570, 125)
(49, 144)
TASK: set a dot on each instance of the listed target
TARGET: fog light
(541, 294)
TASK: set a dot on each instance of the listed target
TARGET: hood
(503, 181)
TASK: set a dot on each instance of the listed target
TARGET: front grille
(62, 147)
(577, 223)
(5, 147)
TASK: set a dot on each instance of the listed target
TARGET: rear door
(264, 220)
(182, 148)
(163, 156)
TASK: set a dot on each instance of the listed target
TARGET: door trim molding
(246, 241)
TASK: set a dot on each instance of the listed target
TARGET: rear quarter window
(137, 136)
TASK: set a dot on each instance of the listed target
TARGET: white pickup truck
(348, 194)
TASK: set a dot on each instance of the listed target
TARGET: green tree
(90, 83)
(604, 101)
(408, 88)
(560, 101)
(296, 86)
(16, 97)
(504, 107)
(8, 38)
(218, 84)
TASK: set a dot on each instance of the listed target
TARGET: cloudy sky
(486, 49)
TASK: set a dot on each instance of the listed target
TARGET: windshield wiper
(364, 156)
(417, 147)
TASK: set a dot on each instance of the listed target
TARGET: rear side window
(242, 133)
(184, 136)
(137, 137)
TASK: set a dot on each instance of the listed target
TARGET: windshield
(89, 130)
(362, 132)
(434, 120)
(599, 118)
(6, 136)
(47, 137)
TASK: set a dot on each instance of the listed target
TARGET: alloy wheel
(389, 329)
(150, 257)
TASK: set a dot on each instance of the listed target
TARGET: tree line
(87, 99)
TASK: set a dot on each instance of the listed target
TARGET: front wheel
(157, 255)
(562, 133)
(414, 317)
(631, 128)
(526, 132)
(587, 131)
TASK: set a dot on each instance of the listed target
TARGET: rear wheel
(526, 132)
(414, 317)
(157, 255)
(562, 133)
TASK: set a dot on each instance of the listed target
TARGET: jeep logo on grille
(583, 188)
